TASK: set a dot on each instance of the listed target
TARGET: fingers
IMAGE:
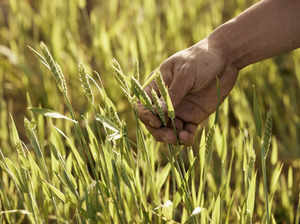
(187, 135)
(148, 117)
(163, 134)
(178, 124)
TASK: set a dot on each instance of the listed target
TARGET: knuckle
(164, 66)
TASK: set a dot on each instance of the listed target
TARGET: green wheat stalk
(141, 94)
(47, 59)
(84, 80)
(264, 152)
(165, 94)
(158, 106)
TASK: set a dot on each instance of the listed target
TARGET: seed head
(158, 107)
(55, 69)
(83, 76)
(165, 94)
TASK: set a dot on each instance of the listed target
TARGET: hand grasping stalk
(266, 29)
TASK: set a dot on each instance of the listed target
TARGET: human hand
(191, 77)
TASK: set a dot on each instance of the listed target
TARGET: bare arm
(266, 29)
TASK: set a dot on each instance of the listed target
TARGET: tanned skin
(266, 29)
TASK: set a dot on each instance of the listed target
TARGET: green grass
(81, 155)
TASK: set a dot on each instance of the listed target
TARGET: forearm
(266, 29)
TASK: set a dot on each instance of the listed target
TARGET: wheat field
(72, 149)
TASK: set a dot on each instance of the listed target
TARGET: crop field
(73, 150)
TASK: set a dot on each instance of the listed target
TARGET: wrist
(266, 29)
(212, 51)
(231, 51)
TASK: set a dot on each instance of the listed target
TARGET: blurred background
(148, 31)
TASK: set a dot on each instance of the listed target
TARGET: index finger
(163, 134)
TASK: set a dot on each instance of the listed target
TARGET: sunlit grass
(84, 156)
